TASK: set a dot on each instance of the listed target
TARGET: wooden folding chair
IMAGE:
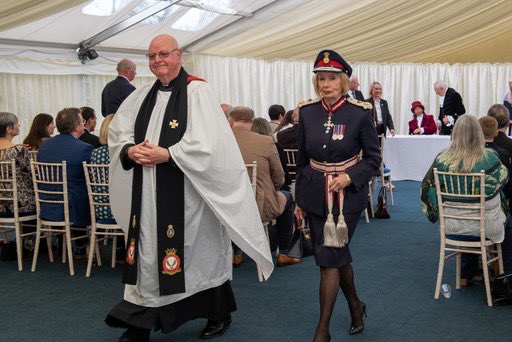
(33, 155)
(8, 195)
(97, 179)
(252, 169)
(53, 176)
(383, 175)
(451, 186)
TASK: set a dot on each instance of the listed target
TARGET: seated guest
(507, 101)
(421, 123)
(272, 202)
(9, 128)
(68, 147)
(288, 137)
(101, 156)
(276, 113)
(467, 154)
(285, 123)
(89, 117)
(262, 126)
(502, 115)
(42, 128)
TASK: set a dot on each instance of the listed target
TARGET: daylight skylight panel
(157, 17)
(104, 8)
(196, 19)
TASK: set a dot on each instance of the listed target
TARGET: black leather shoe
(135, 335)
(214, 329)
(359, 329)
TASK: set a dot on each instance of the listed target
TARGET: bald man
(117, 90)
(179, 183)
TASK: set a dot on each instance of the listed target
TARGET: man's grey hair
(67, 119)
(125, 65)
(500, 113)
(7, 120)
(440, 84)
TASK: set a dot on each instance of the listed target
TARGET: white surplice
(219, 201)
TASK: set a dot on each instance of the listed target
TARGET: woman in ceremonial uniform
(332, 180)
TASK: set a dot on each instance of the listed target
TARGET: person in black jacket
(332, 181)
(117, 90)
(502, 115)
(450, 108)
(354, 91)
(89, 117)
(380, 110)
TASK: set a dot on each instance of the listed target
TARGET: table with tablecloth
(409, 156)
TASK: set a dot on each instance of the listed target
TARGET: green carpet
(395, 264)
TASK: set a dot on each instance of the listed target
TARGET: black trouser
(284, 225)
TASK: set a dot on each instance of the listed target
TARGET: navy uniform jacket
(314, 143)
(114, 94)
(74, 151)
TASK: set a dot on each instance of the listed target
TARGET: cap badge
(326, 58)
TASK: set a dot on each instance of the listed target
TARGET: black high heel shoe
(359, 329)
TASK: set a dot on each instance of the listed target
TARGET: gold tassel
(341, 227)
(332, 238)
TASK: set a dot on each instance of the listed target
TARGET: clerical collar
(165, 87)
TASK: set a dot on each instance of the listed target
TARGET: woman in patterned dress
(9, 128)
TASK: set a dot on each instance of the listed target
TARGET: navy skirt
(329, 256)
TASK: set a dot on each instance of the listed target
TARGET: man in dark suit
(89, 117)
(287, 138)
(451, 107)
(68, 147)
(502, 115)
(117, 90)
(354, 91)
(422, 123)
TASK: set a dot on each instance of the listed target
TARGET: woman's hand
(298, 213)
(392, 131)
(340, 182)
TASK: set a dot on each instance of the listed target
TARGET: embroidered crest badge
(130, 253)
(170, 231)
(171, 263)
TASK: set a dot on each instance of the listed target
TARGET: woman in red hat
(421, 123)
(332, 181)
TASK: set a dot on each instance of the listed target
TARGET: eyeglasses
(162, 54)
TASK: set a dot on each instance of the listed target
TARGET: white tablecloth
(409, 156)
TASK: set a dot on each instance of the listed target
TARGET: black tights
(332, 279)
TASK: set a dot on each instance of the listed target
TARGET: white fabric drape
(27, 95)
(259, 83)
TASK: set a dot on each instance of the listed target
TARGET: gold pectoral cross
(173, 124)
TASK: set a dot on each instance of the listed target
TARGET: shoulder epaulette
(365, 105)
(307, 102)
(194, 78)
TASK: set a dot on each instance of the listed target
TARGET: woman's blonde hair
(467, 146)
(104, 129)
(344, 83)
(372, 85)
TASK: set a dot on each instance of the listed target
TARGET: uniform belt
(334, 168)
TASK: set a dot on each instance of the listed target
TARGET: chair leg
(366, 218)
(64, 249)
(440, 271)
(485, 267)
(500, 260)
(457, 271)
(105, 240)
(36, 247)
(98, 254)
(91, 254)
(67, 236)
(391, 191)
(114, 247)
(49, 246)
(19, 248)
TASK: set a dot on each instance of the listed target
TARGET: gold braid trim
(365, 105)
(304, 103)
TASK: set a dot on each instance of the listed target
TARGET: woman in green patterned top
(467, 154)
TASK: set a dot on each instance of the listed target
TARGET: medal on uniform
(130, 253)
(171, 263)
(328, 125)
(338, 132)
(170, 231)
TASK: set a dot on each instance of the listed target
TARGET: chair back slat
(33, 155)
(252, 169)
(291, 161)
(50, 185)
(9, 184)
(97, 181)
